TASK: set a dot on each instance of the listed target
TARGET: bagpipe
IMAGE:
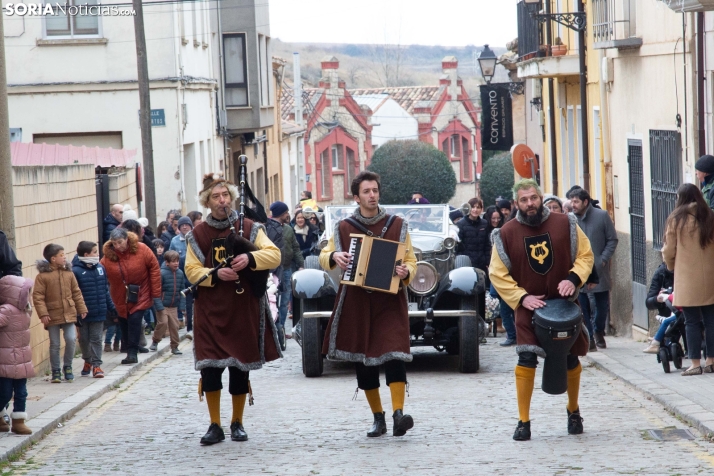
(237, 244)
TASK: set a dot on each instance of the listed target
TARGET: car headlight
(449, 243)
(425, 279)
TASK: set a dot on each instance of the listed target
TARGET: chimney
(330, 65)
(449, 66)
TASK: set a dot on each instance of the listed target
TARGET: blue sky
(423, 22)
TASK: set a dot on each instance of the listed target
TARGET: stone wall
(55, 205)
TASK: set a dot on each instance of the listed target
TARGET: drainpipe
(584, 103)
(701, 113)
(607, 156)
(551, 108)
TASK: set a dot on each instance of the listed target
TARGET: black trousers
(530, 360)
(237, 380)
(368, 376)
(131, 331)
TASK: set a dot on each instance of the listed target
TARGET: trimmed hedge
(407, 166)
(497, 179)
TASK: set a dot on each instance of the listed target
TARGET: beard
(533, 220)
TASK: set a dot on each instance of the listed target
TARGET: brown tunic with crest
(230, 329)
(368, 327)
(540, 257)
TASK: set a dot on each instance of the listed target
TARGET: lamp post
(487, 62)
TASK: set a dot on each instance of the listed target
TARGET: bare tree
(387, 61)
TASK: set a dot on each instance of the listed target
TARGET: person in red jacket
(131, 263)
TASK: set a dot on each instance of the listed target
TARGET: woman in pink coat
(15, 352)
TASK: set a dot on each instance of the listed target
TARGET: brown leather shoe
(600, 340)
(18, 423)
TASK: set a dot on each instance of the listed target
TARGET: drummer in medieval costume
(372, 328)
(231, 330)
(539, 256)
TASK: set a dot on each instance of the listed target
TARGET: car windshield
(421, 218)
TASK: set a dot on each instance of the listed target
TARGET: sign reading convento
(497, 120)
(158, 118)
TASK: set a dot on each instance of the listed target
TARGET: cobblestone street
(299, 426)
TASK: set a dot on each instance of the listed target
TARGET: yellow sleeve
(585, 259)
(669, 250)
(326, 253)
(409, 260)
(268, 255)
(195, 270)
(504, 283)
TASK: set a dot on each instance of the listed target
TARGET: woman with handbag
(134, 282)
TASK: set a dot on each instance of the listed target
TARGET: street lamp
(487, 62)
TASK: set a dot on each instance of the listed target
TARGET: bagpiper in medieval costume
(232, 327)
(372, 328)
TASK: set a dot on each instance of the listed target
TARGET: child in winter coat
(58, 301)
(172, 281)
(15, 352)
(94, 285)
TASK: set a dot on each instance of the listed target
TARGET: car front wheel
(468, 337)
(311, 333)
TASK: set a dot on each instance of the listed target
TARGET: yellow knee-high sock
(574, 387)
(238, 406)
(398, 391)
(525, 380)
(374, 400)
(213, 399)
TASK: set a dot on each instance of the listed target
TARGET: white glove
(661, 297)
(660, 318)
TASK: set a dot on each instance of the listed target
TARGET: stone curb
(46, 422)
(692, 413)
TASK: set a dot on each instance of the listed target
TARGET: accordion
(373, 263)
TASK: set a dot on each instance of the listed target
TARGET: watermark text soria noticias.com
(63, 9)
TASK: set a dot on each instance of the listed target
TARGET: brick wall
(122, 188)
(55, 205)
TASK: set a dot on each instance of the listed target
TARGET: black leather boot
(213, 435)
(575, 423)
(523, 431)
(402, 423)
(600, 340)
(238, 432)
(379, 427)
(130, 359)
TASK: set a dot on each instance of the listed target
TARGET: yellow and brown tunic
(533, 260)
(230, 329)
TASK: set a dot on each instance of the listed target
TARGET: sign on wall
(497, 120)
(158, 118)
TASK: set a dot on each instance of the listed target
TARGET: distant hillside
(373, 66)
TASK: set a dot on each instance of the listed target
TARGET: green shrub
(411, 165)
(497, 179)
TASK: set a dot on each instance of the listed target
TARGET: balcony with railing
(529, 38)
(535, 58)
(613, 24)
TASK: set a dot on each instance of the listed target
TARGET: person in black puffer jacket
(655, 301)
(475, 242)
(474, 236)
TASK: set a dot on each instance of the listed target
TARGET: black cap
(504, 204)
(705, 164)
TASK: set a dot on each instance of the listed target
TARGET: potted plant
(559, 49)
(543, 51)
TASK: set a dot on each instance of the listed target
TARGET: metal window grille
(637, 212)
(665, 165)
(528, 30)
(612, 19)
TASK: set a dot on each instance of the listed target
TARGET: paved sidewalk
(48, 404)
(690, 398)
